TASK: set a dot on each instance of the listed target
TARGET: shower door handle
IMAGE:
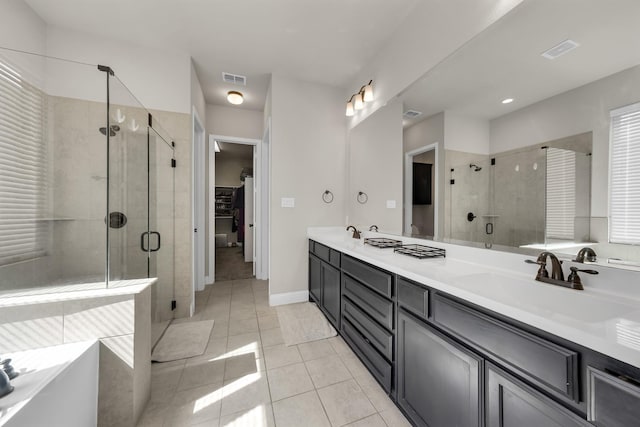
(157, 234)
(142, 247)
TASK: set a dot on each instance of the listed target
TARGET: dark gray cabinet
(439, 381)
(324, 280)
(614, 400)
(511, 403)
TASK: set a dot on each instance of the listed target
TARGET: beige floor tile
(301, 410)
(259, 416)
(374, 420)
(339, 345)
(239, 312)
(217, 347)
(394, 418)
(377, 396)
(244, 393)
(195, 405)
(241, 365)
(245, 343)
(316, 349)
(209, 423)
(354, 364)
(271, 337)
(327, 370)
(288, 381)
(281, 355)
(243, 326)
(220, 329)
(345, 402)
(265, 310)
(200, 371)
(268, 322)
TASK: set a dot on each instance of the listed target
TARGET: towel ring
(327, 196)
(362, 197)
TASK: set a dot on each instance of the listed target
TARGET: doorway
(421, 195)
(234, 214)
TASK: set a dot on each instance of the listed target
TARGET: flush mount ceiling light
(235, 97)
(216, 147)
(507, 101)
(357, 100)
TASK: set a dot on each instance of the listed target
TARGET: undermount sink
(550, 301)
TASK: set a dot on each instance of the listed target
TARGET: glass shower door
(159, 240)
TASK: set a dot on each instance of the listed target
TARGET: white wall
(432, 31)
(307, 157)
(159, 79)
(233, 121)
(467, 134)
(580, 110)
(375, 168)
(197, 97)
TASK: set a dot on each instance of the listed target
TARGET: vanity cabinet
(324, 280)
(368, 317)
(511, 403)
(439, 381)
(613, 400)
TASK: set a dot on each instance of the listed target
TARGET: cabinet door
(315, 278)
(439, 382)
(511, 403)
(331, 293)
(613, 400)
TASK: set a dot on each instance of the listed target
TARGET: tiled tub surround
(605, 317)
(119, 317)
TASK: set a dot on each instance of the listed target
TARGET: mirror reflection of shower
(113, 129)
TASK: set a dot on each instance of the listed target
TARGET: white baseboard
(208, 280)
(288, 298)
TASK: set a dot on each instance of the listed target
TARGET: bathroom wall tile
(98, 317)
(31, 326)
(142, 352)
(116, 387)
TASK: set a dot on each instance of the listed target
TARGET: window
(23, 174)
(561, 194)
(624, 196)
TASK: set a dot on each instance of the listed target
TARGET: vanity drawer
(379, 280)
(553, 367)
(376, 306)
(612, 401)
(377, 365)
(325, 253)
(373, 333)
(413, 297)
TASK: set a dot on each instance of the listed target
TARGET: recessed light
(507, 101)
(235, 97)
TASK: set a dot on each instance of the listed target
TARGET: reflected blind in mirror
(23, 170)
(624, 199)
(560, 194)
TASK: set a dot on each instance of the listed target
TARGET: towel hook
(362, 197)
(327, 196)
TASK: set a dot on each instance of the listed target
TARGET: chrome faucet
(557, 276)
(585, 254)
(373, 228)
(356, 233)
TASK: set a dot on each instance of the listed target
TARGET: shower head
(475, 168)
(112, 130)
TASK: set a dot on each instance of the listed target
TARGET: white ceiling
(505, 61)
(323, 41)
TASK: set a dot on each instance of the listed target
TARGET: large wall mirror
(518, 127)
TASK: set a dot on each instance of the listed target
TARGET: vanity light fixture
(235, 97)
(507, 101)
(357, 100)
(216, 147)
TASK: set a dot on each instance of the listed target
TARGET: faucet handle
(574, 279)
(542, 271)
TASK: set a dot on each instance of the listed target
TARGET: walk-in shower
(86, 181)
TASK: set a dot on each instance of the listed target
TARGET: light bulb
(349, 108)
(359, 103)
(235, 98)
(368, 92)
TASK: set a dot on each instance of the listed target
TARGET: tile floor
(248, 377)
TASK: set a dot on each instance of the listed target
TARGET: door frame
(260, 220)
(408, 187)
(197, 204)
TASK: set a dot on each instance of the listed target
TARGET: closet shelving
(224, 196)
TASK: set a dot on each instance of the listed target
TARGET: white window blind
(23, 174)
(561, 193)
(624, 201)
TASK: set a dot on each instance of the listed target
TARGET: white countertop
(604, 317)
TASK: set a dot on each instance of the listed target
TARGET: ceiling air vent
(411, 114)
(560, 49)
(234, 79)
